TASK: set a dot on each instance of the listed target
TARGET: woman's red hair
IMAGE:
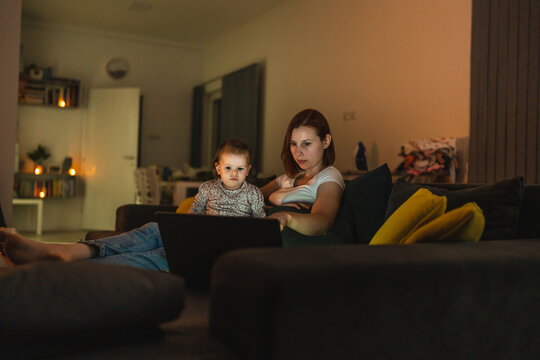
(314, 119)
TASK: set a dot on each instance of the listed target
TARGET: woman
(310, 182)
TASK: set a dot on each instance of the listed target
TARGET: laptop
(194, 242)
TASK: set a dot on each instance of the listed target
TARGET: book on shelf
(33, 100)
(29, 186)
(49, 91)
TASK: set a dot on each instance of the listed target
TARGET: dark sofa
(420, 301)
(353, 301)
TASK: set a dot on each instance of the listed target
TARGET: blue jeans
(141, 247)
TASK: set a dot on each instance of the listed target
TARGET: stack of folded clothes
(429, 157)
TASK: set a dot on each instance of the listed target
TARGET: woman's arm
(269, 188)
(322, 216)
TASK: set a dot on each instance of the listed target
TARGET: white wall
(166, 73)
(10, 24)
(401, 66)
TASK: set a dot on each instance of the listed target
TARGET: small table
(176, 191)
(185, 189)
(38, 203)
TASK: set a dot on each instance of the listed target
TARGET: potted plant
(38, 156)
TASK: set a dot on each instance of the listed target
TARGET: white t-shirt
(304, 193)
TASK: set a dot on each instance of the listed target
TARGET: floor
(56, 236)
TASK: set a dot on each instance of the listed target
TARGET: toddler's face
(233, 170)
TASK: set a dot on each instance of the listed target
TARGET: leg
(21, 250)
(149, 260)
(145, 238)
(141, 247)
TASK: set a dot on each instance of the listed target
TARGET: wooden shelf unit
(54, 92)
(29, 186)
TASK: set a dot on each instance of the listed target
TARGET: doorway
(230, 107)
(110, 154)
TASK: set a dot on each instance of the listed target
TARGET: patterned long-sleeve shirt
(214, 199)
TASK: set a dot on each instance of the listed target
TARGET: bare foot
(21, 250)
(9, 229)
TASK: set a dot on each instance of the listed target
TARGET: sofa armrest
(132, 216)
(64, 304)
(421, 301)
(100, 234)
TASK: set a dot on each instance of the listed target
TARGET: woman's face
(307, 148)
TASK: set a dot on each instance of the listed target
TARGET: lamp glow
(38, 170)
(72, 172)
(42, 194)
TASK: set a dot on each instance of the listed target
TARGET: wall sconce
(38, 170)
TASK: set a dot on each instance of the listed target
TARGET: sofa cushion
(361, 212)
(500, 202)
(465, 223)
(421, 301)
(367, 196)
(421, 208)
(185, 205)
(80, 301)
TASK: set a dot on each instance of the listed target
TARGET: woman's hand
(322, 214)
(282, 216)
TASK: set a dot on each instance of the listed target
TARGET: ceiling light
(140, 6)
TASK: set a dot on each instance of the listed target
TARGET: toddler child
(230, 194)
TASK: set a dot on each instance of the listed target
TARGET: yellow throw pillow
(465, 223)
(419, 209)
(185, 205)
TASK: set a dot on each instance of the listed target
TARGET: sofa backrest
(131, 216)
(529, 215)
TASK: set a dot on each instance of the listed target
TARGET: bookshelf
(60, 186)
(52, 92)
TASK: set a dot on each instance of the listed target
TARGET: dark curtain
(505, 93)
(2, 221)
(240, 109)
(196, 126)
